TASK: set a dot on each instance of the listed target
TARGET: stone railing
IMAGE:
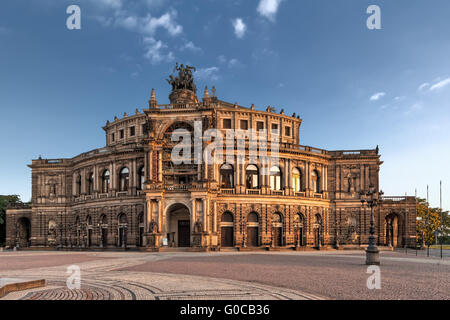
(227, 191)
(19, 205)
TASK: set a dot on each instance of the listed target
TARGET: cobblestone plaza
(229, 276)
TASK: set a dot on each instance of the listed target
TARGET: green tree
(4, 202)
(429, 221)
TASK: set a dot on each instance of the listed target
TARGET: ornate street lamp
(372, 199)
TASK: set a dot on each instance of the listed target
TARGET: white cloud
(232, 63)
(377, 96)
(239, 27)
(109, 4)
(154, 51)
(423, 86)
(222, 59)
(166, 21)
(440, 84)
(190, 46)
(208, 73)
(268, 8)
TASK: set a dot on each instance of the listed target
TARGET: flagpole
(440, 208)
(428, 216)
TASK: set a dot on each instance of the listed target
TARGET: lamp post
(423, 236)
(372, 198)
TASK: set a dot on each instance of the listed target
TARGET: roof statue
(184, 80)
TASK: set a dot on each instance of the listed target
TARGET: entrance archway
(299, 222)
(24, 232)
(103, 231)
(318, 231)
(227, 230)
(392, 234)
(123, 226)
(253, 230)
(277, 230)
(141, 229)
(179, 226)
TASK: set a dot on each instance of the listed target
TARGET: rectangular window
(132, 131)
(287, 131)
(121, 134)
(227, 123)
(113, 137)
(259, 125)
(244, 124)
(274, 128)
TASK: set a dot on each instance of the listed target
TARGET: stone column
(150, 166)
(215, 218)
(367, 177)
(193, 213)
(205, 215)
(361, 177)
(74, 184)
(160, 166)
(161, 220)
(83, 181)
(96, 179)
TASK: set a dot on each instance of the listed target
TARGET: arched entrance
(299, 222)
(89, 231)
(141, 229)
(227, 230)
(392, 234)
(318, 231)
(23, 232)
(103, 231)
(253, 230)
(123, 226)
(179, 226)
(277, 230)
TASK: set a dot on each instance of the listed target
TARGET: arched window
(296, 180)
(227, 217)
(226, 176)
(90, 181)
(315, 179)
(79, 185)
(276, 218)
(141, 178)
(106, 178)
(275, 178)
(253, 217)
(124, 178)
(89, 221)
(252, 177)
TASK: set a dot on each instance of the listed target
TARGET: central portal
(179, 226)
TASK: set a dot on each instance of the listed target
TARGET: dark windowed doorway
(178, 226)
(184, 233)
(24, 232)
(253, 230)
(277, 230)
(227, 230)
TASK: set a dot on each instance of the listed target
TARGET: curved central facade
(132, 193)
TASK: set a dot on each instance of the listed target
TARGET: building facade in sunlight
(131, 194)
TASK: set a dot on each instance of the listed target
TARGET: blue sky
(354, 88)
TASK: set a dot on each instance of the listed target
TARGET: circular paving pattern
(102, 280)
